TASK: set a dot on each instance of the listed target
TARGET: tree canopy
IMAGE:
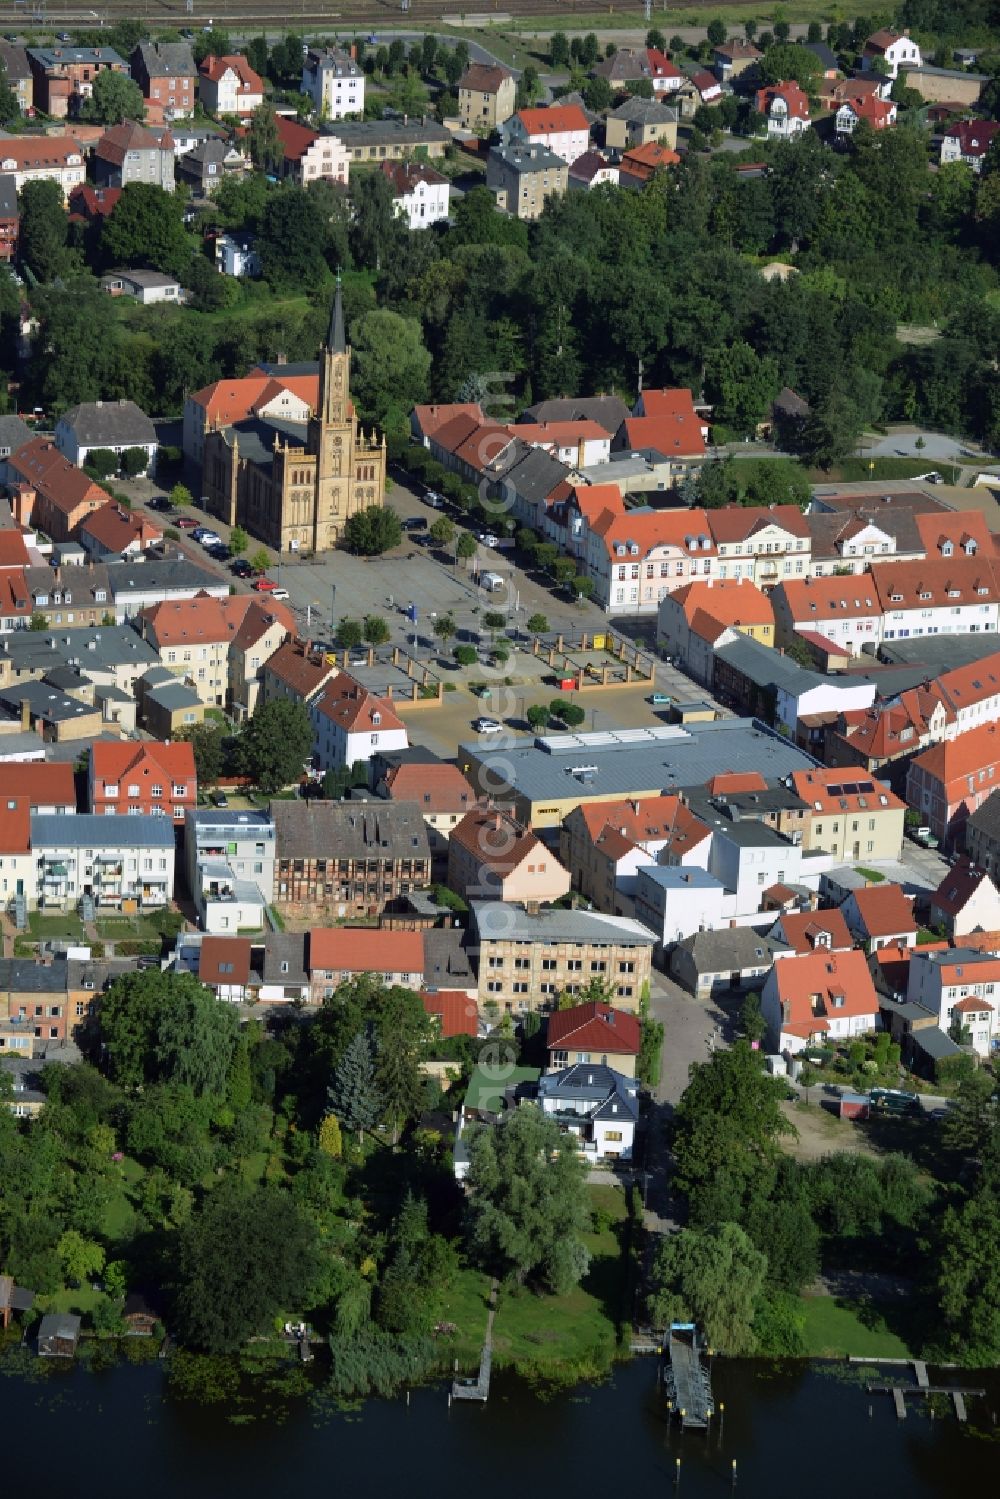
(167, 1028)
(276, 743)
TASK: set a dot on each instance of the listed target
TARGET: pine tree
(352, 1094)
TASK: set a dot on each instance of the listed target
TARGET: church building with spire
(293, 484)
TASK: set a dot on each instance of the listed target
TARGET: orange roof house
(337, 954)
(594, 1032)
(818, 996)
(949, 781)
(641, 163)
(39, 785)
(880, 916)
(456, 1013)
(491, 856)
(51, 493)
(150, 778)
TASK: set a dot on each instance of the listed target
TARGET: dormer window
(947, 548)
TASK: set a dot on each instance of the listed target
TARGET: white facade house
(113, 426)
(818, 996)
(229, 859)
(595, 1104)
(351, 725)
(120, 861)
(235, 255)
(562, 128)
(894, 49)
(334, 81)
(421, 195)
(674, 901)
(748, 858)
(961, 986)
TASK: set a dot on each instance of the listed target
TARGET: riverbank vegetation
(237, 1181)
(878, 1252)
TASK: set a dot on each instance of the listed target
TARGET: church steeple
(334, 369)
(336, 342)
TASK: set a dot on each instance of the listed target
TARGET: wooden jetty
(923, 1388)
(479, 1388)
(686, 1380)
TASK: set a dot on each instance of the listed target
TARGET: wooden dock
(901, 1393)
(686, 1380)
(479, 1388)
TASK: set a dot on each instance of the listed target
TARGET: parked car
(488, 539)
(208, 539)
(220, 799)
(414, 523)
(487, 726)
(280, 593)
(266, 585)
(187, 524)
(432, 498)
(160, 502)
(241, 568)
(660, 699)
(357, 660)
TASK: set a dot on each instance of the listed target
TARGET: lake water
(794, 1431)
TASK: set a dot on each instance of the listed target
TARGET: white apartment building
(124, 862)
(335, 83)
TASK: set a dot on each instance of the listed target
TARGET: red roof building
(819, 996)
(594, 1032)
(154, 779)
(51, 493)
(456, 1013)
(39, 785)
(951, 780)
(339, 954)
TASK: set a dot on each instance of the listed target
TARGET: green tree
(442, 531)
(238, 541)
(113, 98)
(789, 61)
(656, 39)
(104, 462)
(376, 631)
(208, 740)
(465, 655)
(537, 624)
(260, 561)
(134, 461)
(716, 32)
(728, 1117)
(968, 1277)
(81, 1258)
(275, 744)
(180, 497)
(445, 627)
(293, 239)
(831, 431)
(263, 140)
(390, 367)
(973, 1117)
(42, 234)
(375, 230)
(146, 228)
(38, 622)
(9, 108)
(712, 1277)
(404, 1030)
(538, 716)
(353, 1094)
(349, 633)
(246, 1254)
(528, 1204)
(465, 546)
(330, 1139)
(372, 531)
(741, 384)
(752, 1023)
(558, 51)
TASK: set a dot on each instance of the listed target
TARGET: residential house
(966, 901)
(939, 596)
(818, 997)
(592, 170)
(13, 1299)
(748, 858)
(309, 156)
(18, 878)
(92, 205)
(47, 786)
(960, 986)
(133, 153)
(766, 543)
(528, 958)
(339, 954)
(640, 164)
(675, 900)
(14, 433)
(285, 977)
(64, 75)
(576, 444)
(845, 611)
(51, 493)
(454, 1012)
(148, 287)
(562, 129)
(813, 931)
(968, 141)
(121, 861)
(732, 59)
(166, 73)
(693, 619)
(154, 780)
(42, 158)
(230, 862)
(638, 122)
(664, 420)
(10, 219)
(698, 88)
(229, 86)
(785, 107)
(746, 796)
(593, 1032)
(876, 112)
(334, 81)
(604, 845)
(607, 410)
(949, 782)
(290, 393)
(635, 558)
(436, 786)
(112, 533)
(350, 858)
(420, 194)
(486, 97)
(297, 671)
(159, 580)
(491, 856)
(524, 177)
(880, 916)
(829, 66)
(350, 725)
(112, 425)
(58, 1335)
(852, 818)
(392, 139)
(203, 641)
(211, 159)
(17, 72)
(236, 255)
(225, 967)
(886, 51)
(33, 998)
(710, 962)
(596, 1105)
(168, 707)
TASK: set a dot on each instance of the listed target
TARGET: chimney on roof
(25, 715)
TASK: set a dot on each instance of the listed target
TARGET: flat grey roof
(225, 819)
(499, 921)
(678, 877)
(91, 830)
(620, 761)
(763, 665)
(939, 652)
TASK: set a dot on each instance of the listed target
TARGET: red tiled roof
(217, 951)
(553, 119)
(731, 601)
(971, 1005)
(457, 1013)
(682, 529)
(975, 750)
(13, 552)
(731, 782)
(495, 839)
(117, 529)
(15, 828)
(15, 599)
(734, 523)
(673, 436)
(40, 463)
(295, 138)
(207, 620)
(648, 158)
(829, 791)
(302, 671)
(801, 929)
(93, 202)
(362, 949)
(594, 1027)
(884, 910)
(115, 144)
(353, 708)
(841, 981)
(215, 68)
(651, 819)
(114, 760)
(660, 65)
(974, 136)
(936, 582)
(39, 783)
(795, 100)
(38, 152)
(430, 419)
(957, 888)
(405, 175)
(481, 78)
(435, 788)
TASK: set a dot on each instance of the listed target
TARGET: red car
(265, 585)
(186, 523)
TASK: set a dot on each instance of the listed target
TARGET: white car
(488, 539)
(488, 726)
(279, 593)
(209, 539)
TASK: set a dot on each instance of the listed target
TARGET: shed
(58, 1335)
(854, 1106)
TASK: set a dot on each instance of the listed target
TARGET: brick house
(51, 493)
(166, 73)
(64, 76)
(158, 779)
(339, 954)
(950, 781)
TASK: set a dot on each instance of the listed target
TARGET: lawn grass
(82, 1300)
(55, 924)
(860, 470)
(144, 926)
(834, 1329)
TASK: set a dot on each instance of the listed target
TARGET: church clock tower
(335, 370)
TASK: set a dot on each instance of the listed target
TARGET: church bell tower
(335, 370)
